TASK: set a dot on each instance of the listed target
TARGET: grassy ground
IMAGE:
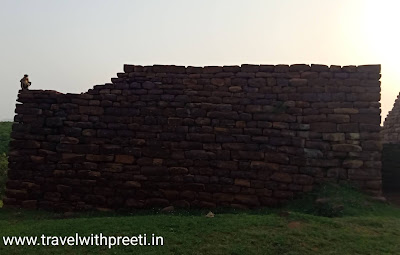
(364, 227)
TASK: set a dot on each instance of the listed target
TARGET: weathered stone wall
(391, 149)
(391, 127)
(391, 167)
(197, 137)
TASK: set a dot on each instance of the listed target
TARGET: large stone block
(250, 200)
(282, 177)
(369, 69)
(333, 137)
(91, 110)
(124, 159)
(346, 147)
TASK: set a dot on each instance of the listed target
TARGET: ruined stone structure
(391, 149)
(241, 136)
(391, 127)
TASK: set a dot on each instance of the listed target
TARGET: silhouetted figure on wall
(25, 83)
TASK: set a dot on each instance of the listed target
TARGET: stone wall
(391, 149)
(391, 167)
(240, 136)
(391, 127)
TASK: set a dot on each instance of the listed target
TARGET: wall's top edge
(235, 70)
(281, 68)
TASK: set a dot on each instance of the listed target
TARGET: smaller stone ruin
(391, 149)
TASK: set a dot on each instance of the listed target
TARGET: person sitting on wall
(25, 83)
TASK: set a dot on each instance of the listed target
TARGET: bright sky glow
(72, 45)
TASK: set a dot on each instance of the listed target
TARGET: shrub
(332, 200)
(3, 173)
(5, 130)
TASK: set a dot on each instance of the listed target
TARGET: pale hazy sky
(72, 45)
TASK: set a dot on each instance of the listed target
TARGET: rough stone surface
(163, 136)
(391, 127)
(390, 134)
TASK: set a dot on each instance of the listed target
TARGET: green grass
(341, 200)
(364, 227)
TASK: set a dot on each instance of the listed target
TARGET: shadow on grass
(349, 201)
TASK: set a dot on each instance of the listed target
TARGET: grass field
(364, 227)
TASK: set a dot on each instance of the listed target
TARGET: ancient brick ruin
(240, 136)
(391, 149)
(391, 127)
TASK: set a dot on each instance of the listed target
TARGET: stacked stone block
(237, 136)
(391, 149)
(391, 127)
(391, 167)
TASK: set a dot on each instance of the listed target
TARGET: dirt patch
(295, 225)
